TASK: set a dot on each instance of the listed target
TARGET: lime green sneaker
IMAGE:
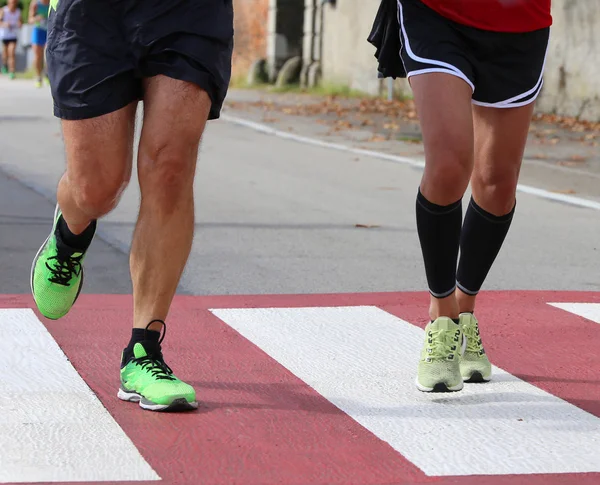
(145, 378)
(439, 367)
(56, 275)
(4, 70)
(474, 365)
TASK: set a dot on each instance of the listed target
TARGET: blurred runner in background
(10, 23)
(38, 17)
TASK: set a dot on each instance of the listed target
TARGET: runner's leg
(500, 138)
(38, 52)
(4, 56)
(11, 48)
(175, 113)
(448, 141)
(99, 154)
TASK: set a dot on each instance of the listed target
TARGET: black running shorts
(503, 69)
(98, 51)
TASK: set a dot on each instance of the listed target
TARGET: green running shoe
(439, 367)
(56, 275)
(145, 378)
(474, 365)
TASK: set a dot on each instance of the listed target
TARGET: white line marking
(591, 311)
(526, 189)
(364, 359)
(52, 426)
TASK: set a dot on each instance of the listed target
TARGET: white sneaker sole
(180, 404)
(439, 387)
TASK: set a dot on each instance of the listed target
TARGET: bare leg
(5, 54)
(11, 56)
(448, 140)
(38, 51)
(500, 138)
(99, 155)
(175, 113)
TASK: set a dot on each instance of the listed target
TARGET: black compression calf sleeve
(480, 242)
(439, 233)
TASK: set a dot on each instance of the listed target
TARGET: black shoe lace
(63, 266)
(153, 362)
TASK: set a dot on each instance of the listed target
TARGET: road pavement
(277, 216)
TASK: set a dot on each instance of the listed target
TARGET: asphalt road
(274, 216)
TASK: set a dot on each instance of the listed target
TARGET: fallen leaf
(567, 191)
(578, 158)
(366, 226)
(377, 138)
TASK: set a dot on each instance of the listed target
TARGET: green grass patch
(325, 89)
(29, 74)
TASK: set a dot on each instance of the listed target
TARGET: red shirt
(496, 15)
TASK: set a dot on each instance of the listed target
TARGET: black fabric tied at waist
(385, 36)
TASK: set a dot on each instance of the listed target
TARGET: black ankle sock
(439, 233)
(480, 242)
(76, 241)
(139, 335)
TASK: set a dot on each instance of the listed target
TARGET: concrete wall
(572, 85)
(572, 80)
(347, 57)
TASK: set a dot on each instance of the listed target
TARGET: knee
(166, 172)
(495, 189)
(96, 196)
(447, 173)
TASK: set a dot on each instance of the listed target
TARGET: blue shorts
(38, 36)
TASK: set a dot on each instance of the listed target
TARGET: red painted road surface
(259, 424)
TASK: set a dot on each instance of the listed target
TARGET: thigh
(90, 63)
(500, 138)
(175, 114)
(443, 103)
(99, 150)
(11, 47)
(187, 40)
(509, 67)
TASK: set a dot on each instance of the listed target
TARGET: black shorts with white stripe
(504, 70)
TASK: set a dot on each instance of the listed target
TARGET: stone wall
(572, 80)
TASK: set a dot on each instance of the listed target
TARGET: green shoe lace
(474, 365)
(442, 344)
(474, 343)
(439, 365)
